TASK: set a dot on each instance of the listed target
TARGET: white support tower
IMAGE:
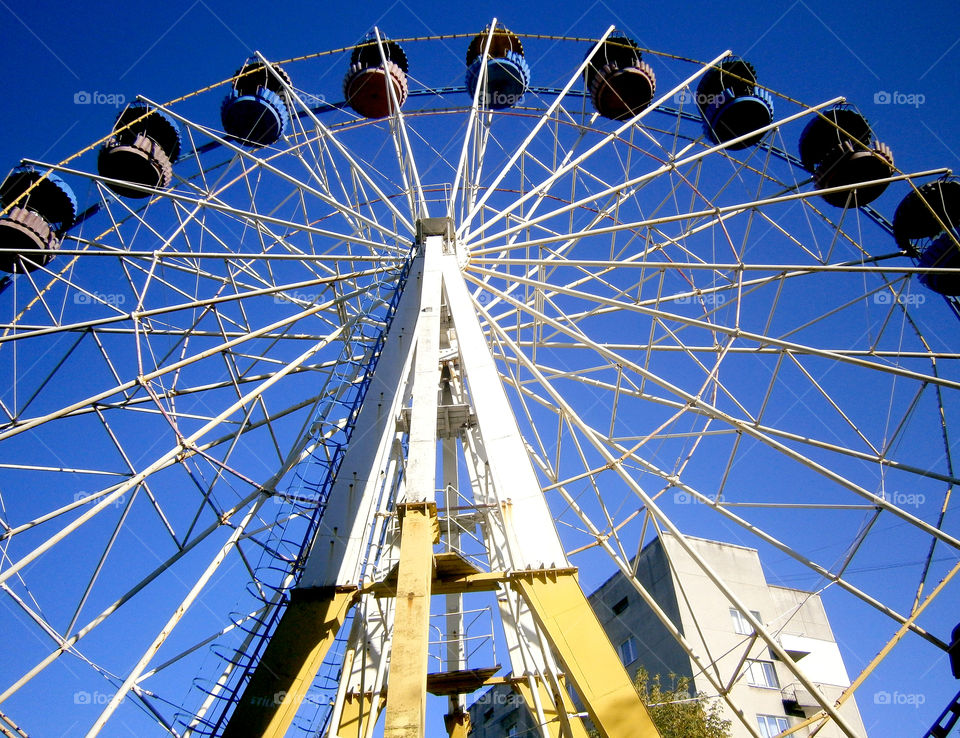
(401, 517)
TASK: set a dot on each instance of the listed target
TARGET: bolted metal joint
(427, 508)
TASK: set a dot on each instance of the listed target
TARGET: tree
(675, 713)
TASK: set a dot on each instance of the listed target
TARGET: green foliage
(675, 713)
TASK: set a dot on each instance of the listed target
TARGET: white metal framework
(639, 332)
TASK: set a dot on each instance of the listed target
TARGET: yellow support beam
(458, 724)
(407, 685)
(557, 709)
(358, 712)
(589, 661)
(568, 713)
(485, 581)
(290, 662)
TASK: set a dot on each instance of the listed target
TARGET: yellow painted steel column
(358, 711)
(458, 724)
(569, 719)
(407, 685)
(290, 662)
(589, 660)
(556, 709)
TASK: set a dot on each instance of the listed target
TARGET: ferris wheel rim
(506, 299)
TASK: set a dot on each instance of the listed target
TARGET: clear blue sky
(810, 51)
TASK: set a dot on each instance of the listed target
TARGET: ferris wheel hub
(444, 227)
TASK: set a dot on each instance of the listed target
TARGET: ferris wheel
(282, 362)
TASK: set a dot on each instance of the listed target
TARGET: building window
(628, 651)
(771, 725)
(620, 606)
(740, 623)
(761, 674)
